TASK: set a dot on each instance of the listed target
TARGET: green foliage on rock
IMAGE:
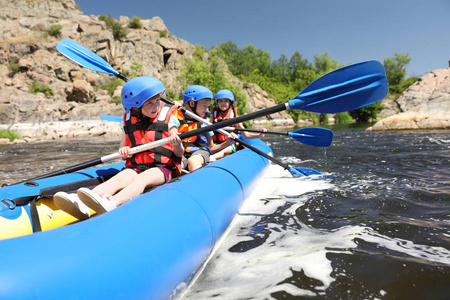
(13, 67)
(39, 87)
(9, 134)
(110, 84)
(54, 30)
(135, 23)
(117, 29)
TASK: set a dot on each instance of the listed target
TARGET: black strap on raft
(49, 193)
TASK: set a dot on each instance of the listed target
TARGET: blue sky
(350, 31)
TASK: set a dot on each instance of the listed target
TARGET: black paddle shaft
(229, 122)
(260, 131)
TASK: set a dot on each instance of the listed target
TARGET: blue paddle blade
(344, 89)
(112, 118)
(314, 136)
(84, 57)
(302, 172)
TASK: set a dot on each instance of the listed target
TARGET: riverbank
(33, 132)
(44, 131)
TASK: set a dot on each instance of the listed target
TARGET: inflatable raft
(148, 248)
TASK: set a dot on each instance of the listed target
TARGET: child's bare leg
(195, 162)
(148, 178)
(227, 151)
(116, 183)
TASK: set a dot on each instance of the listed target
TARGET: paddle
(313, 136)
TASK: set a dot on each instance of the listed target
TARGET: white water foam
(290, 246)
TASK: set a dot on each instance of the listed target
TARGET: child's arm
(124, 150)
(216, 148)
(175, 141)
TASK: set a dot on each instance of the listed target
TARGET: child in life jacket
(198, 149)
(225, 110)
(146, 120)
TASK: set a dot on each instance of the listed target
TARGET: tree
(279, 69)
(227, 50)
(208, 69)
(297, 65)
(324, 64)
(396, 70)
(368, 113)
(250, 58)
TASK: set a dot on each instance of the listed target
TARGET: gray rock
(424, 105)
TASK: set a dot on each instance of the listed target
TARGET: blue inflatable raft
(145, 249)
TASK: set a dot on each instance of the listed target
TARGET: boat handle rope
(7, 201)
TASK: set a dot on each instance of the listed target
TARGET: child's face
(150, 108)
(202, 106)
(223, 103)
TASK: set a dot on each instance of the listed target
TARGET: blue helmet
(196, 92)
(227, 94)
(138, 90)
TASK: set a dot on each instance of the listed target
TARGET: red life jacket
(142, 131)
(193, 143)
(231, 112)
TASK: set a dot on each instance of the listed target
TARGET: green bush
(163, 34)
(343, 117)
(110, 84)
(114, 25)
(116, 100)
(38, 87)
(9, 134)
(135, 23)
(13, 67)
(170, 94)
(136, 69)
(54, 30)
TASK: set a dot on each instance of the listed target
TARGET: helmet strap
(140, 114)
(194, 108)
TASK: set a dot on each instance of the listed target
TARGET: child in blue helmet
(223, 110)
(198, 149)
(146, 119)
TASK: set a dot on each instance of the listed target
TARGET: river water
(378, 229)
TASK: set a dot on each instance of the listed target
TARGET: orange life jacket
(142, 131)
(231, 112)
(193, 143)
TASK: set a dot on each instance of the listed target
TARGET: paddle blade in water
(84, 57)
(344, 89)
(314, 136)
(302, 172)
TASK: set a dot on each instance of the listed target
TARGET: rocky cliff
(28, 57)
(424, 105)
